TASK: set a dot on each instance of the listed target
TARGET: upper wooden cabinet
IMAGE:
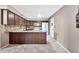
(17, 20)
(25, 22)
(21, 21)
(10, 19)
(7, 17)
(29, 23)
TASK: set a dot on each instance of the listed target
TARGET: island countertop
(27, 37)
(27, 31)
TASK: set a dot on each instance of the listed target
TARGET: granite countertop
(27, 31)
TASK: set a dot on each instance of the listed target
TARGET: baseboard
(4, 46)
(63, 47)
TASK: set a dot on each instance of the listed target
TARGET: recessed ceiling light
(39, 15)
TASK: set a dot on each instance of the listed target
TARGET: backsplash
(14, 28)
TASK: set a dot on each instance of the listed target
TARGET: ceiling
(37, 12)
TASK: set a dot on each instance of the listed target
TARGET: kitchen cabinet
(26, 22)
(10, 19)
(16, 38)
(29, 23)
(17, 20)
(27, 38)
(22, 21)
(7, 17)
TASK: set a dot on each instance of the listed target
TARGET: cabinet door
(10, 20)
(17, 38)
(27, 23)
(24, 22)
(43, 37)
(21, 20)
(17, 20)
(32, 23)
(21, 38)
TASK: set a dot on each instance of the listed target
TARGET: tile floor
(51, 47)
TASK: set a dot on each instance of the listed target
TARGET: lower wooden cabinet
(16, 38)
(27, 38)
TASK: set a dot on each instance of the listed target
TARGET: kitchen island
(27, 37)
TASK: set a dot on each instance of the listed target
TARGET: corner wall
(0, 28)
(65, 23)
(4, 37)
(51, 27)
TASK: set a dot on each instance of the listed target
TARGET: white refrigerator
(45, 27)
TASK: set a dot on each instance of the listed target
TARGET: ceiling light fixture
(39, 15)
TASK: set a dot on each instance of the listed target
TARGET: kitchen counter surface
(26, 31)
(27, 37)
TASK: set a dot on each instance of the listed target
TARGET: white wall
(4, 37)
(65, 23)
(0, 28)
(52, 27)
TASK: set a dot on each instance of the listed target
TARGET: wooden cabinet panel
(27, 38)
(26, 41)
(16, 38)
(24, 22)
(27, 23)
(21, 21)
(10, 20)
(21, 38)
(17, 20)
(31, 23)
